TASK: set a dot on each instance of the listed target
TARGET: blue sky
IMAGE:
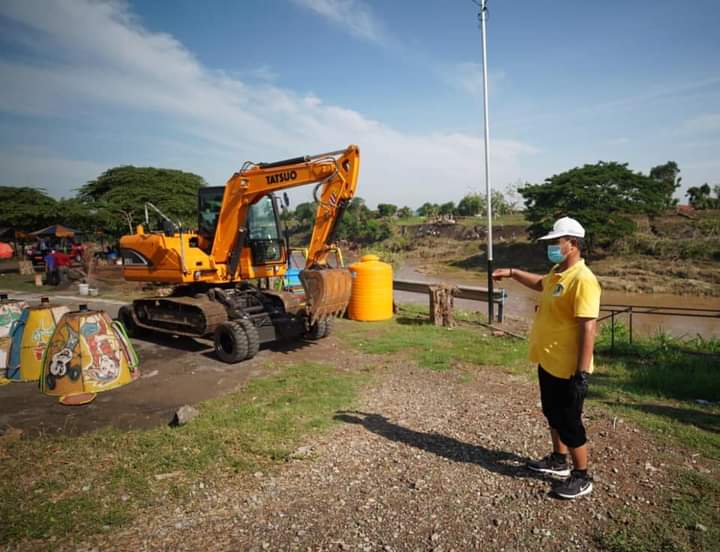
(204, 86)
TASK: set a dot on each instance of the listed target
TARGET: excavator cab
(264, 233)
(264, 227)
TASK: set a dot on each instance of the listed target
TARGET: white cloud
(353, 16)
(94, 58)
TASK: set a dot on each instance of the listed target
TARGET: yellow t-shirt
(555, 334)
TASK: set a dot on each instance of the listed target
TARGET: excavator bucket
(327, 291)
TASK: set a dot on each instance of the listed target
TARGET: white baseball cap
(565, 226)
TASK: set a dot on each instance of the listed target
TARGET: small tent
(30, 335)
(88, 353)
(56, 230)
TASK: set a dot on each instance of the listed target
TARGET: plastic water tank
(372, 290)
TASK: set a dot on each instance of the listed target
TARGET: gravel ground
(428, 461)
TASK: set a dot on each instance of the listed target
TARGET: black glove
(579, 385)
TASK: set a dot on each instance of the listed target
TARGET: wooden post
(441, 305)
(26, 268)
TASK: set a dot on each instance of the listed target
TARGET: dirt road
(174, 371)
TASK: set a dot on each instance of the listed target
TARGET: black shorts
(562, 410)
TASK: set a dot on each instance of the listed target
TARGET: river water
(521, 303)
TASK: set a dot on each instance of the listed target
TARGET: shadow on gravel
(497, 461)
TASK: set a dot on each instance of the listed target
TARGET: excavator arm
(336, 174)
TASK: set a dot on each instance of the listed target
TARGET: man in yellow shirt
(561, 343)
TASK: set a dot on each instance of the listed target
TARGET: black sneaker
(550, 464)
(575, 486)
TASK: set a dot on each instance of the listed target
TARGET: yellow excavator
(222, 272)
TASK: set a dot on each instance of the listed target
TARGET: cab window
(263, 233)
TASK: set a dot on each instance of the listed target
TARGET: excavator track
(195, 317)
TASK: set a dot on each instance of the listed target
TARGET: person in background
(62, 265)
(51, 268)
(561, 343)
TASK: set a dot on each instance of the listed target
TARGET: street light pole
(488, 188)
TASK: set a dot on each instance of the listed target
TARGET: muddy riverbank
(521, 302)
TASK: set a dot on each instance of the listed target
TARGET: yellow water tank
(372, 290)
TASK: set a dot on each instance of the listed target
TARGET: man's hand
(500, 273)
(579, 385)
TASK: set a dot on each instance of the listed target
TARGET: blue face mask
(554, 254)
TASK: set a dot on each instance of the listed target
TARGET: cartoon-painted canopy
(30, 335)
(88, 353)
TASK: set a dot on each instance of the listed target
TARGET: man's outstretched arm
(528, 279)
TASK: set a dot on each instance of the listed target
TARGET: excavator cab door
(264, 233)
(210, 201)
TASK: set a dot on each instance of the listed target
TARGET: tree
(700, 197)
(405, 212)
(27, 208)
(600, 196)
(119, 195)
(357, 205)
(304, 213)
(447, 209)
(79, 216)
(667, 179)
(428, 209)
(357, 225)
(386, 210)
(500, 206)
(471, 205)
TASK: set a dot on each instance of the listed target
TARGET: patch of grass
(511, 219)
(689, 520)
(433, 347)
(657, 381)
(410, 221)
(18, 282)
(663, 366)
(654, 382)
(64, 486)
